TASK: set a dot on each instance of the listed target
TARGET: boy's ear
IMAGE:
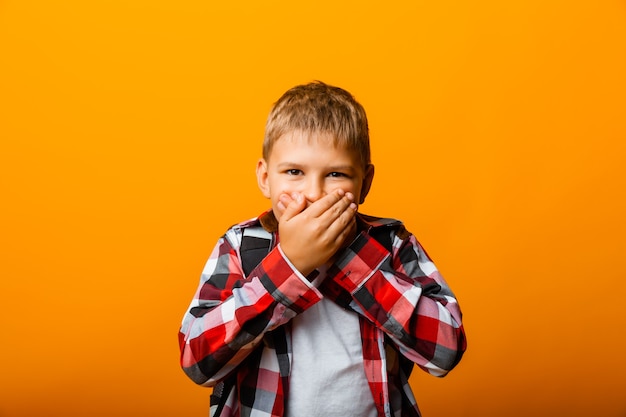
(367, 183)
(261, 177)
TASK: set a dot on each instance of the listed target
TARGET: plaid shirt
(238, 327)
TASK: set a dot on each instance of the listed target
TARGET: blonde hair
(320, 108)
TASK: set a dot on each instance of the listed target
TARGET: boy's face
(311, 166)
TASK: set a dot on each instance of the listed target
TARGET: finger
(283, 201)
(345, 219)
(336, 229)
(343, 205)
(291, 205)
(343, 238)
(333, 204)
(346, 234)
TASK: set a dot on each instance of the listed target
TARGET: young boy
(341, 305)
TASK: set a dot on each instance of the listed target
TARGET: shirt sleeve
(230, 313)
(402, 293)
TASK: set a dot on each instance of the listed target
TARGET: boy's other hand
(310, 236)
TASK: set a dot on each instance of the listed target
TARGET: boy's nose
(314, 191)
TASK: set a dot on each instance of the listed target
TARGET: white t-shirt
(327, 376)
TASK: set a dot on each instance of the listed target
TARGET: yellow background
(129, 134)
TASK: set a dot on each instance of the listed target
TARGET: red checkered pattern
(240, 326)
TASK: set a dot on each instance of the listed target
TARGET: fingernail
(350, 196)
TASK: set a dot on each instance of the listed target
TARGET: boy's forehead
(324, 139)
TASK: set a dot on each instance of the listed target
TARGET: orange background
(129, 134)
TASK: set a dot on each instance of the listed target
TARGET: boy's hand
(310, 236)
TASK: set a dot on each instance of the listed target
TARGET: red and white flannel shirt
(239, 326)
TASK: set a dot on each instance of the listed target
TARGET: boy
(341, 305)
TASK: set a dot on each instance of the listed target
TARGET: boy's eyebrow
(330, 168)
(342, 168)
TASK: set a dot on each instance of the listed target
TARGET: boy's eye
(337, 174)
(293, 172)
